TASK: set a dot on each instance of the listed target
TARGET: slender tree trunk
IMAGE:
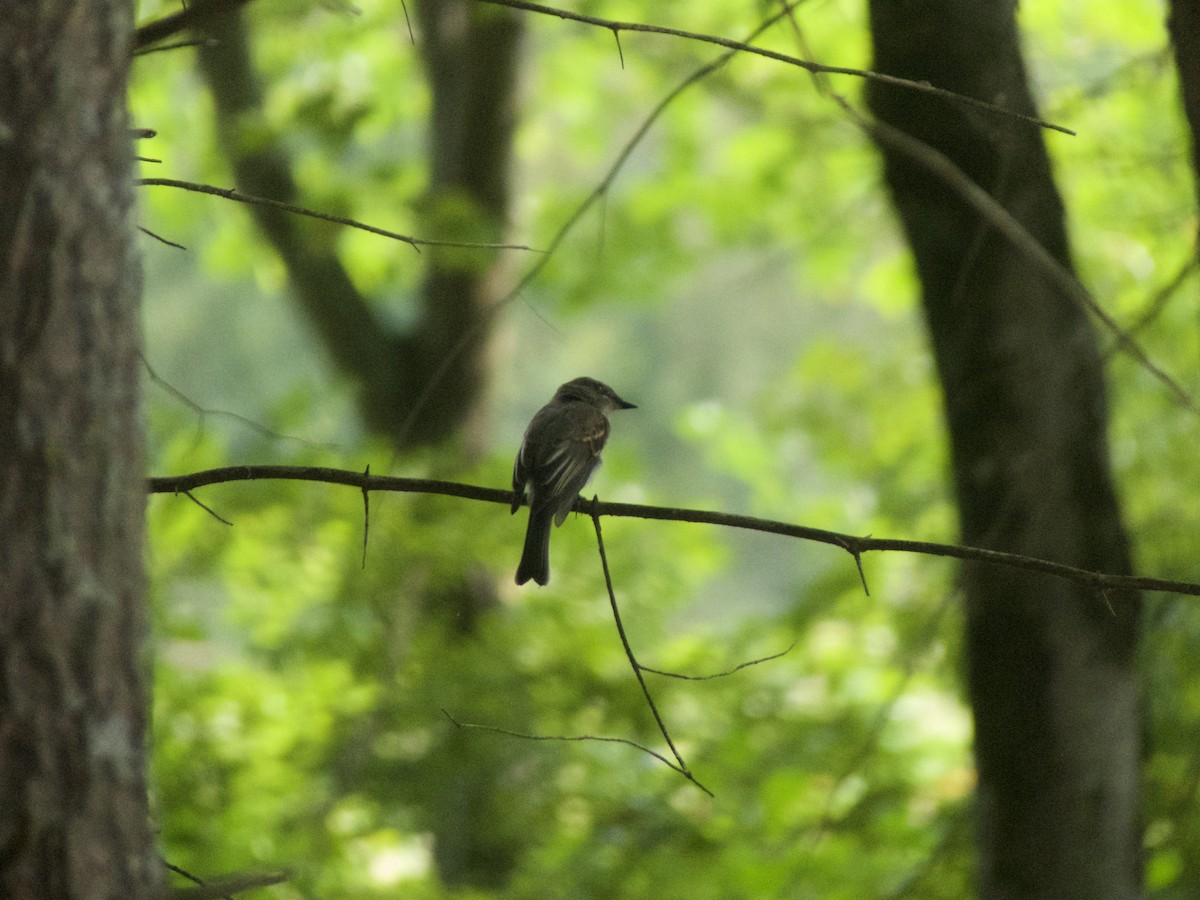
(1184, 26)
(73, 815)
(472, 55)
(439, 361)
(1050, 665)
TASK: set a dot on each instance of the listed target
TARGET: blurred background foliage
(744, 284)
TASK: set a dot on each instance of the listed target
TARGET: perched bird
(560, 452)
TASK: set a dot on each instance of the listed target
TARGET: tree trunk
(74, 821)
(471, 53)
(1183, 24)
(420, 384)
(1050, 664)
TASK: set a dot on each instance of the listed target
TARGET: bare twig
(204, 412)
(1008, 225)
(207, 509)
(597, 193)
(637, 669)
(726, 672)
(171, 867)
(1160, 299)
(158, 237)
(178, 45)
(227, 887)
(235, 194)
(366, 492)
(561, 737)
(1004, 222)
(742, 47)
(850, 543)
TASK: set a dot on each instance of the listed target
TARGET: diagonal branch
(1005, 223)
(199, 12)
(633, 663)
(235, 194)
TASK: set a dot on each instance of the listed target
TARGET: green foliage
(743, 283)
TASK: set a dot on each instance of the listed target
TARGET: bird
(559, 453)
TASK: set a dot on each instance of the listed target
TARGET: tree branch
(1006, 224)
(199, 12)
(227, 887)
(629, 654)
(235, 194)
(852, 544)
(451, 358)
(525, 735)
(924, 87)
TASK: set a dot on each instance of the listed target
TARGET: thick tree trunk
(73, 815)
(1050, 664)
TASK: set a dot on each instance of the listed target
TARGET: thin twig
(227, 887)
(207, 509)
(366, 494)
(637, 669)
(850, 543)
(1004, 222)
(743, 47)
(412, 38)
(1160, 299)
(195, 879)
(597, 193)
(727, 672)
(940, 165)
(235, 194)
(564, 737)
(204, 412)
(158, 237)
(178, 45)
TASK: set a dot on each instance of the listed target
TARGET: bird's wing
(520, 477)
(573, 459)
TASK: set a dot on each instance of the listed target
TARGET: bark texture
(1050, 665)
(74, 821)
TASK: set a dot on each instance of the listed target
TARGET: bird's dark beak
(625, 404)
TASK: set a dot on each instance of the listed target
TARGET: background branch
(924, 87)
(235, 194)
(200, 12)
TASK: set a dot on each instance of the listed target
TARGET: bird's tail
(535, 559)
